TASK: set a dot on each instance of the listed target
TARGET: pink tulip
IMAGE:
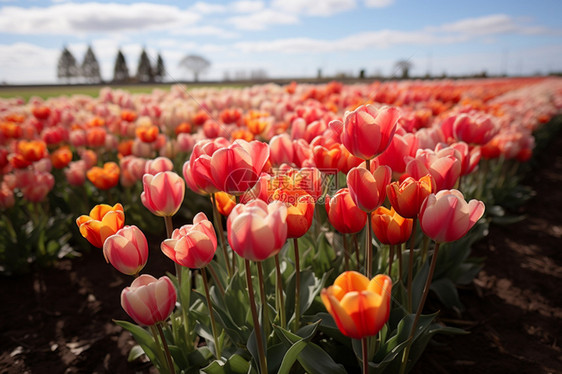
(7, 199)
(469, 158)
(39, 186)
(343, 214)
(192, 246)
(163, 193)
(444, 166)
(368, 190)
(257, 231)
(197, 171)
(76, 173)
(446, 216)
(127, 250)
(236, 169)
(366, 132)
(158, 165)
(281, 150)
(149, 300)
(474, 129)
(400, 147)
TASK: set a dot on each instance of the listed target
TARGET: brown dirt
(59, 320)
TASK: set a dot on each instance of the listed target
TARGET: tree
(196, 64)
(120, 70)
(66, 67)
(144, 70)
(90, 68)
(404, 66)
(160, 69)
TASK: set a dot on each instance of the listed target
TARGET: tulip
(446, 216)
(127, 250)
(197, 171)
(474, 129)
(106, 177)
(163, 193)
(390, 227)
(7, 199)
(366, 132)
(158, 165)
(147, 133)
(281, 149)
(368, 190)
(61, 157)
(236, 168)
(192, 246)
(41, 184)
(444, 166)
(400, 147)
(102, 222)
(149, 300)
(406, 197)
(225, 202)
(300, 210)
(33, 150)
(343, 213)
(257, 231)
(359, 307)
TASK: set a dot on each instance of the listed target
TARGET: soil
(59, 320)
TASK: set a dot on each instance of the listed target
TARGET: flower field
(282, 229)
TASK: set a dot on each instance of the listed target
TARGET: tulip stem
(166, 349)
(420, 308)
(345, 253)
(211, 316)
(280, 298)
(400, 259)
(216, 279)
(263, 300)
(365, 354)
(255, 318)
(160, 352)
(297, 284)
(217, 220)
(369, 249)
(390, 259)
(411, 263)
(357, 255)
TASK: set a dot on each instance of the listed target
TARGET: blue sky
(285, 38)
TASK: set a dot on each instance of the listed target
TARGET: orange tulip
(407, 197)
(225, 202)
(61, 157)
(390, 227)
(147, 134)
(300, 210)
(106, 177)
(102, 222)
(33, 150)
(359, 307)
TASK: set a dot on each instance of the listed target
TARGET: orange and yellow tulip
(106, 177)
(102, 222)
(390, 227)
(360, 307)
(406, 197)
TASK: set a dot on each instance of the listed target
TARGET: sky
(284, 38)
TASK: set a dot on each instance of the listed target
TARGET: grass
(26, 92)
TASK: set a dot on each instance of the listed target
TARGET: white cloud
(378, 3)
(262, 19)
(19, 63)
(313, 7)
(247, 6)
(206, 8)
(79, 19)
(205, 30)
(491, 25)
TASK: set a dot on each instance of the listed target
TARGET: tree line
(69, 70)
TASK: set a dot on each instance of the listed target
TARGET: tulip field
(300, 228)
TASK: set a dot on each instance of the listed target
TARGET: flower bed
(480, 130)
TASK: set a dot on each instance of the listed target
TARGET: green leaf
(144, 339)
(316, 361)
(447, 293)
(291, 356)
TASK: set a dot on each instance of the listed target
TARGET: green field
(26, 92)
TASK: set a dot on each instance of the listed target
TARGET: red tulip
(343, 214)
(406, 197)
(390, 227)
(366, 132)
(368, 190)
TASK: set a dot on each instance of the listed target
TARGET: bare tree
(66, 67)
(404, 66)
(196, 64)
